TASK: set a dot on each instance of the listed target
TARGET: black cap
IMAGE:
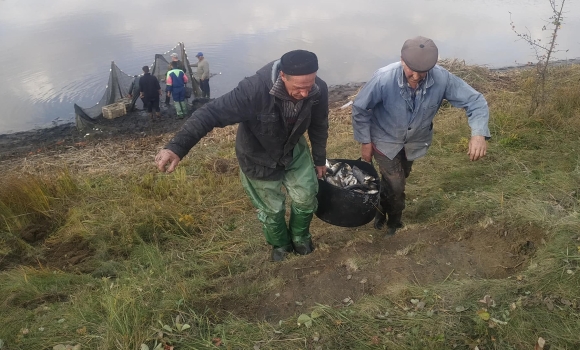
(299, 62)
(420, 54)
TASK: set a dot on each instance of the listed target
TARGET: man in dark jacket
(180, 65)
(274, 108)
(149, 91)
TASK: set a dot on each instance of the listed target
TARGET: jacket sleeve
(185, 80)
(169, 83)
(461, 95)
(362, 109)
(318, 129)
(231, 108)
(157, 86)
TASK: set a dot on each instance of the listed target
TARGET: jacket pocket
(268, 123)
(430, 111)
(427, 125)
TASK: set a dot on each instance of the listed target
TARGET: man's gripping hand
(165, 157)
(477, 147)
(320, 171)
(366, 152)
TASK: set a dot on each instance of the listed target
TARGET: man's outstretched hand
(165, 157)
(477, 147)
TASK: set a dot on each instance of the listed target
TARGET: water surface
(56, 53)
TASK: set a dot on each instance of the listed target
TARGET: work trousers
(179, 102)
(301, 185)
(204, 86)
(178, 94)
(152, 103)
(394, 174)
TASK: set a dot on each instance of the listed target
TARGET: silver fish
(347, 168)
(342, 175)
(350, 180)
(334, 168)
(360, 176)
(357, 187)
(331, 180)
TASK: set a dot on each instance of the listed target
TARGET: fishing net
(124, 87)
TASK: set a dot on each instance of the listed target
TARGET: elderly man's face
(298, 86)
(412, 77)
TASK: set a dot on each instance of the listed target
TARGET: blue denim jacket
(383, 112)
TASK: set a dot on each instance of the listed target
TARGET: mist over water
(57, 53)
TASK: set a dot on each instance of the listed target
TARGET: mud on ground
(349, 264)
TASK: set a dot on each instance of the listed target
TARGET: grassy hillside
(100, 251)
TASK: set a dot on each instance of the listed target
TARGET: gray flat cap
(420, 54)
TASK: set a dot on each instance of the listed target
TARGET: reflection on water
(56, 53)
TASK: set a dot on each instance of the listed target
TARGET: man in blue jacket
(274, 108)
(392, 117)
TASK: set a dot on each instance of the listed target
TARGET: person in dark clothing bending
(149, 91)
(134, 90)
(274, 108)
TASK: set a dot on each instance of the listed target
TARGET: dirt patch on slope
(67, 255)
(349, 264)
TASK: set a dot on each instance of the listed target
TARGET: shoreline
(135, 125)
(336, 92)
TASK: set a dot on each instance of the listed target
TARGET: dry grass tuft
(482, 78)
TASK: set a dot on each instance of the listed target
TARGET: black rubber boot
(279, 254)
(393, 224)
(391, 231)
(304, 248)
(380, 220)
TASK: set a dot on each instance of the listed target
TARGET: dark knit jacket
(149, 86)
(263, 145)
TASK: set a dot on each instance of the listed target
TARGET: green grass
(164, 246)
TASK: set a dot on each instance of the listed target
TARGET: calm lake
(56, 53)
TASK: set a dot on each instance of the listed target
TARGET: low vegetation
(100, 251)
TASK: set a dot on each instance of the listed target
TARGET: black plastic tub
(345, 208)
